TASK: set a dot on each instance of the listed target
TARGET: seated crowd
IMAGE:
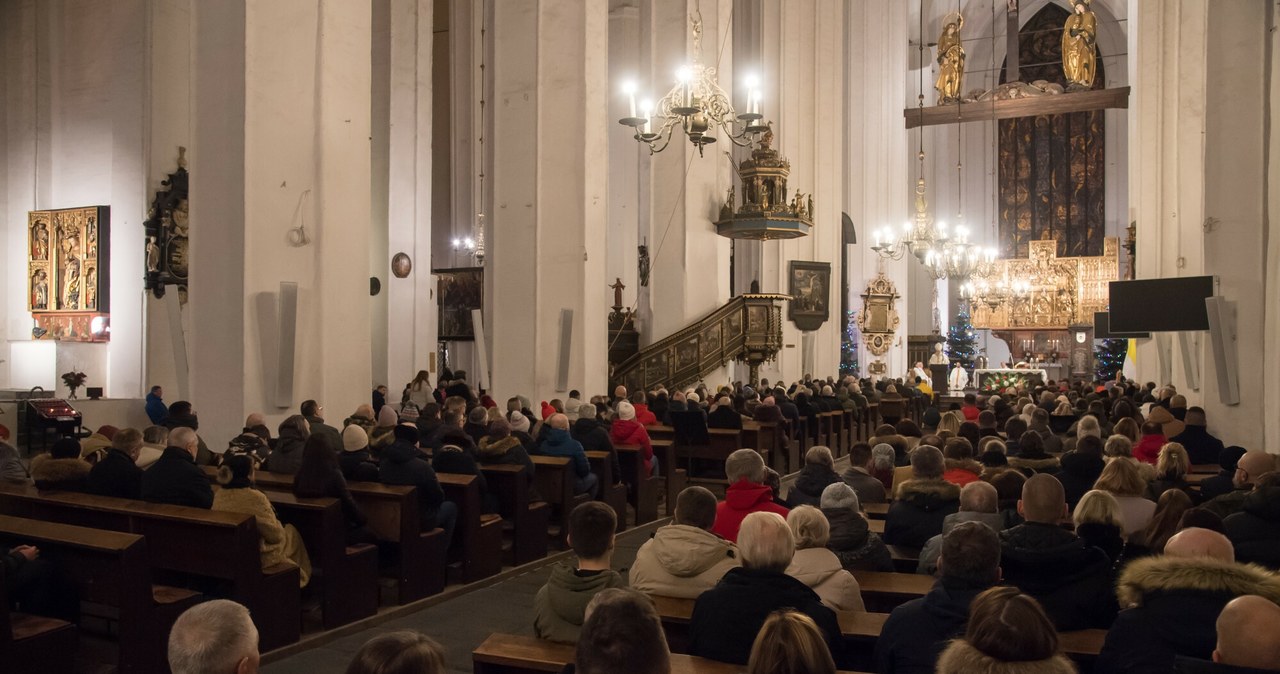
(1037, 512)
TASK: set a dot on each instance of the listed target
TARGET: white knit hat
(626, 411)
(354, 439)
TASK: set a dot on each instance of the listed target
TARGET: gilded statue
(1079, 52)
(950, 60)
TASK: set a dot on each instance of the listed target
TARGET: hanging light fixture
(697, 105)
(473, 245)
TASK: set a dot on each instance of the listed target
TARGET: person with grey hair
(724, 415)
(684, 559)
(215, 637)
(117, 473)
(819, 470)
(852, 541)
(727, 618)
(923, 502)
(747, 493)
(175, 478)
(884, 460)
(917, 631)
(979, 502)
(818, 567)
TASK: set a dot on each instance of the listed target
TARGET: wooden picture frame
(809, 284)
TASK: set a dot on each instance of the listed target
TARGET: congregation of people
(1037, 512)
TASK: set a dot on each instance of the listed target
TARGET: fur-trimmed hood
(1038, 465)
(937, 490)
(965, 464)
(960, 657)
(46, 470)
(1170, 574)
(490, 450)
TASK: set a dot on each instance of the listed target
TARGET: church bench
(516, 654)
(875, 525)
(31, 643)
(528, 518)
(417, 562)
(644, 487)
(883, 591)
(477, 536)
(876, 511)
(905, 559)
(771, 440)
(613, 492)
(112, 576)
(676, 479)
(849, 427)
(661, 432)
(210, 549)
(1205, 469)
(554, 478)
(870, 419)
(346, 576)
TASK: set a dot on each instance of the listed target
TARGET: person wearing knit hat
(99, 440)
(519, 422)
(627, 431)
(356, 461)
(402, 464)
(384, 433)
(851, 538)
(1201, 446)
(626, 412)
(406, 432)
(387, 416)
(364, 418)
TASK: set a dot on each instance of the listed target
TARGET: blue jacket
(559, 443)
(156, 409)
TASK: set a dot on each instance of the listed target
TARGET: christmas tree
(1110, 355)
(849, 347)
(962, 340)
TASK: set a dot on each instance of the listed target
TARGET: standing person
(280, 542)
(379, 397)
(156, 409)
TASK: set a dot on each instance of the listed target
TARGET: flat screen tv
(1102, 328)
(1160, 305)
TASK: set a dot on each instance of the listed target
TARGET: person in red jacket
(746, 494)
(1147, 450)
(626, 430)
(970, 408)
(643, 415)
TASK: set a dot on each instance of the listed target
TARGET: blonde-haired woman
(1123, 479)
(1099, 522)
(818, 567)
(949, 424)
(1172, 465)
(790, 643)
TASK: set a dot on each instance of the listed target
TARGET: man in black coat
(1070, 580)
(923, 502)
(117, 473)
(1254, 530)
(592, 434)
(1202, 447)
(724, 416)
(401, 464)
(916, 632)
(727, 617)
(1248, 640)
(1223, 482)
(313, 410)
(1176, 599)
(1081, 468)
(175, 478)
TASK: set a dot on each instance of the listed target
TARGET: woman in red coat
(627, 431)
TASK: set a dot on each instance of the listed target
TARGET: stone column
(550, 190)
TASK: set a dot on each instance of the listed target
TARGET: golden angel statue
(1079, 52)
(950, 59)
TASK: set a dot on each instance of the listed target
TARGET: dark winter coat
(868, 487)
(560, 443)
(917, 632)
(509, 451)
(334, 487)
(727, 618)
(917, 514)
(287, 456)
(115, 475)
(329, 433)
(1105, 537)
(459, 462)
(176, 479)
(1213, 487)
(1071, 580)
(447, 435)
(1079, 472)
(402, 465)
(52, 474)
(1255, 529)
(725, 417)
(857, 548)
(1173, 606)
(807, 489)
(594, 437)
(358, 466)
(1185, 665)
(1201, 447)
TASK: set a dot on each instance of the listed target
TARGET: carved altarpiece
(68, 280)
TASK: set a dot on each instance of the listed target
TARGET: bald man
(1173, 601)
(175, 478)
(1249, 468)
(1070, 579)
(557, 441)
(1249, 635)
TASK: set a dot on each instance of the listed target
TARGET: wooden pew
(1205, 468)
(876, 526)
(882, 591)
(477, 537)
(905, 559)
(612, 493)
(417, 560)
(30, 643)
(676, 479)
(771, 439)
(644, 487)
(346, 576)
(515, 654)
(188, 545)
(876, 511)
(528, 518)
(554, 477)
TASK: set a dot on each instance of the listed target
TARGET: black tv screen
(1102, 328)
(1160, 305)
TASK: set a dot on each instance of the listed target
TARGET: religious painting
(687, 354)
(64, 266)
(167, 227)
(878, 321)
(733, 326)
(656, 368)
(809, 284)
(1051, 167)
(459, 291)
(710, 342)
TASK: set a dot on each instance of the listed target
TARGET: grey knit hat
(839, 495)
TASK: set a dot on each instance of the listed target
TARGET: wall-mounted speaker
(482, 352)
(566, 343)
(1164, 353)
(1222, 338)
(288, 322)
(1189, 345)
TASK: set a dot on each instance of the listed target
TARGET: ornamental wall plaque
(878, 320)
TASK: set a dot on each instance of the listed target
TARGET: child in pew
(560, 606)
(280, 542)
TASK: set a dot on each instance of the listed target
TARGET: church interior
(805, 228)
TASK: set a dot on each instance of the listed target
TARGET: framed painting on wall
(809, 284)
(459, 291)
